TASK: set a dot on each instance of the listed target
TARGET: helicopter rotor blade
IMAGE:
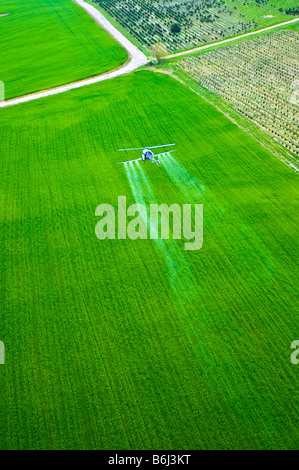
(143, 148)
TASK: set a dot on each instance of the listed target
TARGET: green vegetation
(259, 79)
(51, 42)
(139, 344)
(120, 28)
(199, 21)
(262, 134)
(237, 40)
(291, 11)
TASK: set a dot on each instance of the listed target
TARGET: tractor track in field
(136, 57)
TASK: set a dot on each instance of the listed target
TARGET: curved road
(136, 59)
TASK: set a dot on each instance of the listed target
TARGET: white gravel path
(224, 41)
(136, 59)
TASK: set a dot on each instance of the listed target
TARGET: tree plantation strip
(136, 59)
(47, 43)
(115, 344)
(259, 78)
(182, 24)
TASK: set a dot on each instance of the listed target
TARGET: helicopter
(147, 154)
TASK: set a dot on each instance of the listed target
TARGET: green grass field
(201, 21)
(46, 43)
(124, 344)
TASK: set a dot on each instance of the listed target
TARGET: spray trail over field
(175, 258)
(135, 183)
